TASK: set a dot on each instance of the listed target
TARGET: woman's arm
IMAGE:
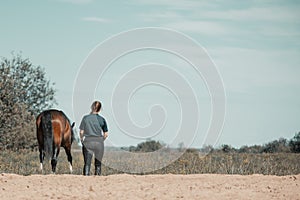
(81, 135)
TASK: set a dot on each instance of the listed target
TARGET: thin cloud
(96, 19)
(78, 1)
(172, 4)
(160, 16)
(256, 14)
(247, 19)
(204, 27)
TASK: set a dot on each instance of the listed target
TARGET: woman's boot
(97, 167)
(97, 170)
(86, 170)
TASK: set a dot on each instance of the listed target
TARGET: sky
(254, 45)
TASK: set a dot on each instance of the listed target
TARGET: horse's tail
(47, 134)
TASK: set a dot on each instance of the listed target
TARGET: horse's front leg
(54, 158)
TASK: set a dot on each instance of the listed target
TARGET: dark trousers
(92, 146)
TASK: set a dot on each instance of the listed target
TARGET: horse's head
(75, 135)
(72, 131)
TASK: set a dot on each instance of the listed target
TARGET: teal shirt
(93, 125)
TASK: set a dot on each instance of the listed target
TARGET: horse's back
(56, 115)
(61, 127)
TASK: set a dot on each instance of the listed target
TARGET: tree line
(281, 145)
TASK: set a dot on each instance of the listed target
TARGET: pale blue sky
(255, 45)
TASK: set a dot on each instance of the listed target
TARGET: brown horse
(53, 131)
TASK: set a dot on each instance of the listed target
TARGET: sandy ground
(202, 186)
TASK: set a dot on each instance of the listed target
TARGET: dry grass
(27, 162)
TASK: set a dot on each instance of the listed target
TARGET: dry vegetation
(26, 162)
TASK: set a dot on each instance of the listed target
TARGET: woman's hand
(105, 135)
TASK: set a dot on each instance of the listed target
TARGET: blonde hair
(96, 106)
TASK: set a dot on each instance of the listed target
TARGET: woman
(93, 132)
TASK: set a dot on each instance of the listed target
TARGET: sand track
(201, 186)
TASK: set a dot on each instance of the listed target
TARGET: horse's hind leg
(54, 158)
(68, 152)
(42, 156)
